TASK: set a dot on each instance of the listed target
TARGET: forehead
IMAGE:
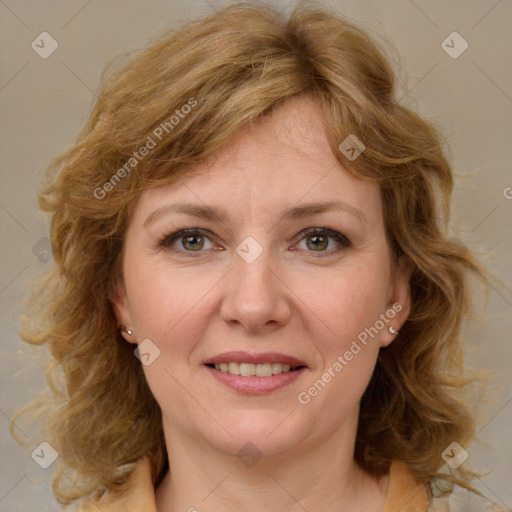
(293, 133)
(280, 160)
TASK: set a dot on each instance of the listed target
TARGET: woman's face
(256, 281)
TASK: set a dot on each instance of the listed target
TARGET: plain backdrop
(45, 101)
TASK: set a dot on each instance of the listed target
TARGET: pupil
(318, 238)
(192, 238)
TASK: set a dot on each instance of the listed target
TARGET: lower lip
(256, 385)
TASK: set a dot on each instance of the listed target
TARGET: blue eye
(195, 240)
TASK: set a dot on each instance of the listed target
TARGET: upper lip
(263, 357)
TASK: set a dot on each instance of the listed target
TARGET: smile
(251, 369)
(253, 373)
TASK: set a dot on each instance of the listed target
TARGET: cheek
(346, 310)
(348, 347)
(347, 303)
(168, 305)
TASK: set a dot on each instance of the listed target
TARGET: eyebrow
(221, 216)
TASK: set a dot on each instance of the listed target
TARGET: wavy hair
(231, 68)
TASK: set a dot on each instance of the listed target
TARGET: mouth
(255, 373)
(248, 364)
(254, 370)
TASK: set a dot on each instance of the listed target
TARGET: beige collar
(405, 494)
(140, 496)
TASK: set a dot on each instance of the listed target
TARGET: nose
(256, 296)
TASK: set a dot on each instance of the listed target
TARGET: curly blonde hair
(231, 68)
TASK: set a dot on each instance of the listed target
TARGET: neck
(319, 475)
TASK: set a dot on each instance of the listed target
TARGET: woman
(255, 305)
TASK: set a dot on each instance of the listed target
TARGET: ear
(399, 304)
(120, 305)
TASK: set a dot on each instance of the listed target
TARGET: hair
(232, 68)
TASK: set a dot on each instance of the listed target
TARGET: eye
(318, 239)
(188, 240)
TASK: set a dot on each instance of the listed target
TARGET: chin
(265, 433)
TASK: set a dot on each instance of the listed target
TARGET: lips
(255, 373)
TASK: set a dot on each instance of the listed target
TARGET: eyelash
(168, 240)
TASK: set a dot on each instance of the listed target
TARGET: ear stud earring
(127, 331)
(392, 330)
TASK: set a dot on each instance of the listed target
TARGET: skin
(297, 298)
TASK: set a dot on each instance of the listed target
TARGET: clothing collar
(405, 493)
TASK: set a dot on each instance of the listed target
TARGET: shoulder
(407, 494)
(447, 498)
(139, 496)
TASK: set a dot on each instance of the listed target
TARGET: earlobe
(392, 330)
(122, 314)
(127, 334)
(399, 305)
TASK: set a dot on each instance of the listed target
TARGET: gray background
(45, 102)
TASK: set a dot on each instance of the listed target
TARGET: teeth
(263, 370)
(247, 369)
(250, 369)
(233, 368)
